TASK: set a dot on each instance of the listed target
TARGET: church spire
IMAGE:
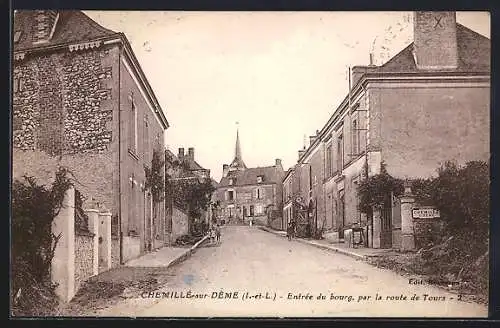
(237, 151)
(237, 163)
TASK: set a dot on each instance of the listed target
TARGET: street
(256, 273)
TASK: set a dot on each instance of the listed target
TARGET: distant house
(428, 104)
(250, 194)
(181, 168)
(81, 100)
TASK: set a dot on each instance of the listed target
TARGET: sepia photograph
(255, 164)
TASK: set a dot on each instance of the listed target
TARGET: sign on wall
(425, 213)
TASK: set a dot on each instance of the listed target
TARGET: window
(259, 193)
(230, 211)
(259, 209)
(355, 137)
(145, 140)
(231, 181)
(244, 211)
(18, 85)
(17, 36)
(230, 195)
(340, 152)
(310, 177)
(133, 126)
(259, 179)
(329, 163)
(251, 210)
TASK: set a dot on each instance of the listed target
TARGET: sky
(277, 76)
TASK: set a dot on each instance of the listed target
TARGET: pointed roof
(72, 26)
(238, 160)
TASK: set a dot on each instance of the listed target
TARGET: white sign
(425, 213)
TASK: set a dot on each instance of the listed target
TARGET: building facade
(81, 100)
(250, 194)
(428, 104)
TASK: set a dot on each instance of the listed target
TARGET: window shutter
(262, 193)
(226, 195)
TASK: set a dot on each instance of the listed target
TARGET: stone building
(81, 100)
(250, 194)
(428, 104)
(180, 169)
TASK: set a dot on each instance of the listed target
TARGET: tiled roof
(192, 164)
(72, 26)
(249, 176)
(473, 54)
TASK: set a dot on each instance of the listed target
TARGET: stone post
(407, 233)
(93, 216)
(105, 237)
(62, 268)
(377, 223)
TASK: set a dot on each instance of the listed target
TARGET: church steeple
(237, 163)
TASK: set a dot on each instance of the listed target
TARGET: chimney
(301, 152)
(371, 59)
(181, 154)
(191, 153)
(45, 25)
(225, 170)
(435, 40)
(278, 162)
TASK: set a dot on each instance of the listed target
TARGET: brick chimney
(277, 162)
(44, 25)
(435, 40)
(181, 154)
(191, 153)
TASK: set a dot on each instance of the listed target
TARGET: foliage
(34, 207)
(375, 190)
(154, 177)
(459, 251)
(192, 195)
(461, 193)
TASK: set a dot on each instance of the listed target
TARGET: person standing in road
(289, 230)
(217, 233)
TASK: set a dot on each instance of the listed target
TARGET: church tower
(237, 164)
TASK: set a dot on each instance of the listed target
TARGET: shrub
(34, 207)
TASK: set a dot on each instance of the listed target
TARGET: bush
(34, 207)
(461, 193)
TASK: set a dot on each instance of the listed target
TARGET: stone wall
(93, 172)
(115, 251)
(62, 116)
(83, 257)
(131, 248)
(63, 105)
(180, 224)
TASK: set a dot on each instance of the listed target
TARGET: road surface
(258, 274)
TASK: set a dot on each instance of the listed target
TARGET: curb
(185, 255)
(317, 245)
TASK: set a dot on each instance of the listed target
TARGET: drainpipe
(120, 231)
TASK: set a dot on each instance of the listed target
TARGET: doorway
(386, 223)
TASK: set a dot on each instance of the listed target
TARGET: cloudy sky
(280, 75)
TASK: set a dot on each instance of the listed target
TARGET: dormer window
(231, 181)
(260, 179)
